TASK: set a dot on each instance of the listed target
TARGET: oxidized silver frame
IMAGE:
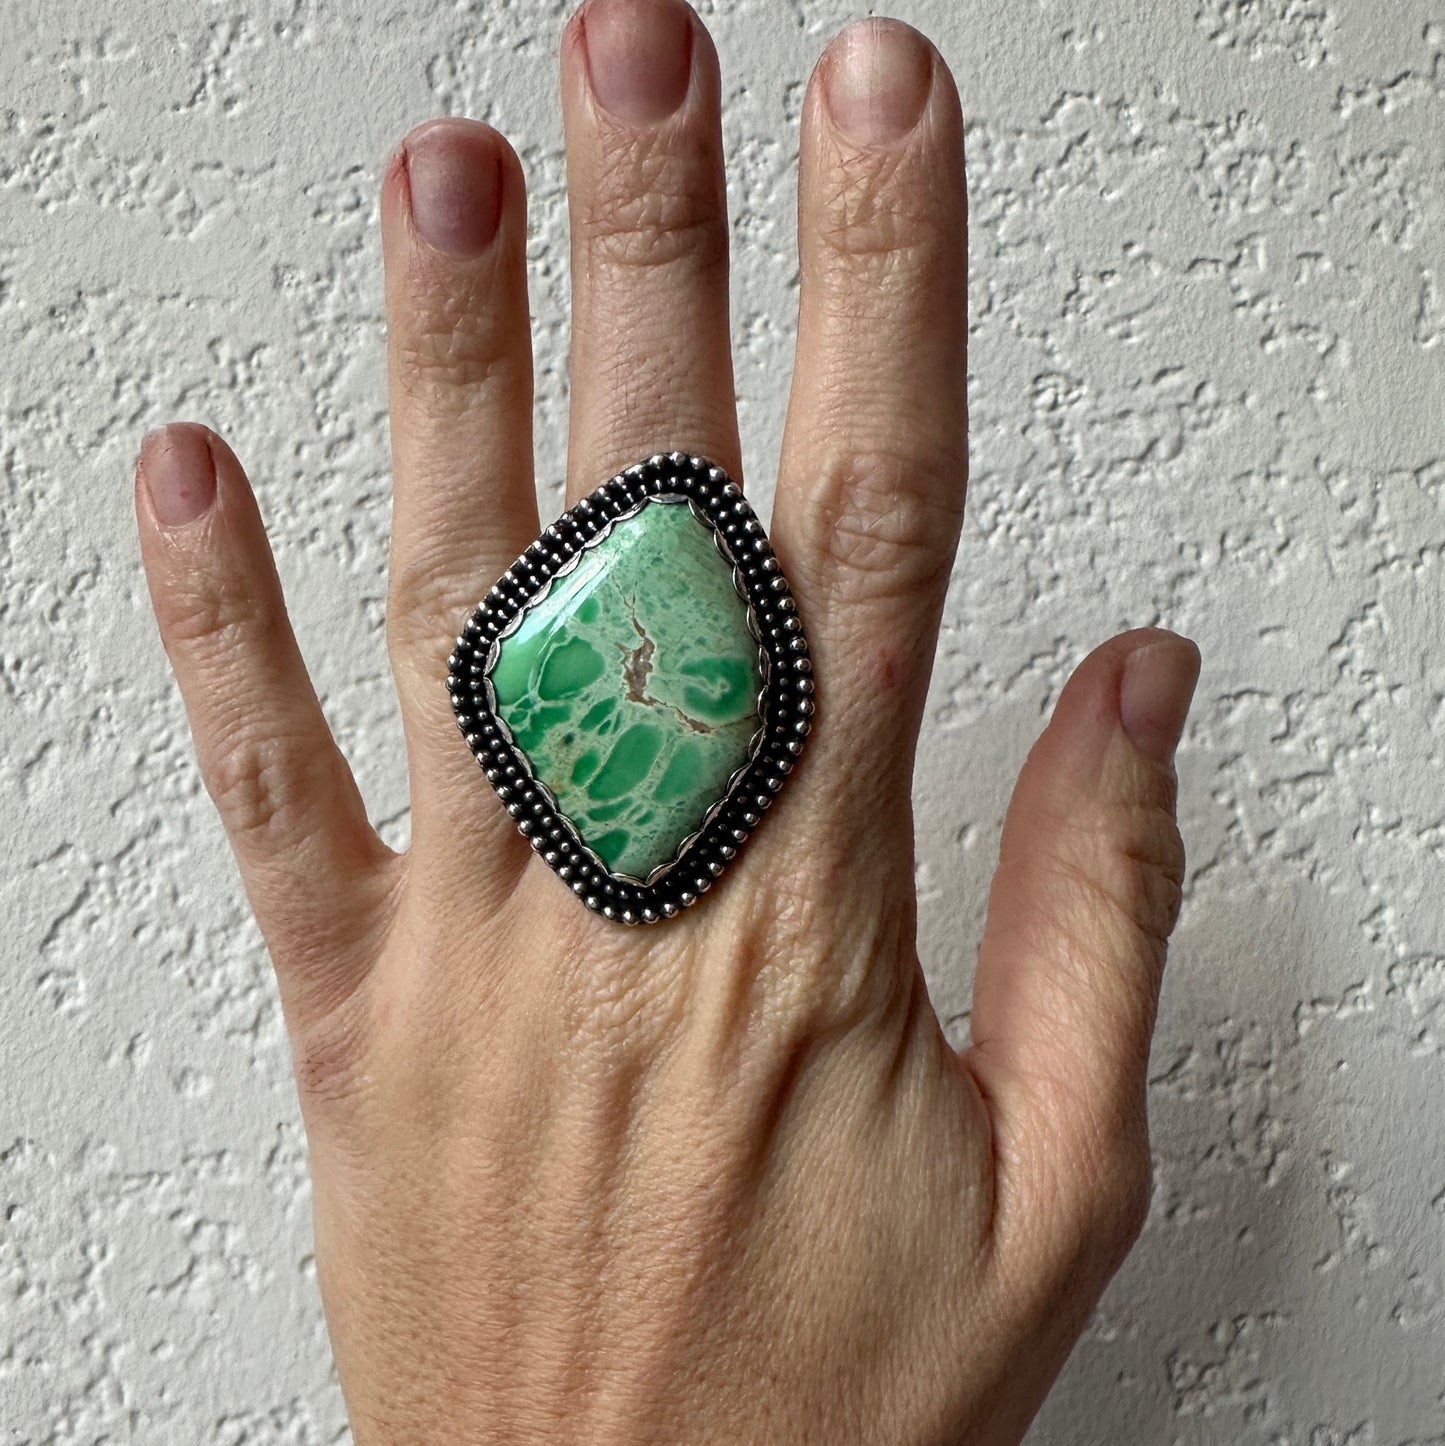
(785, 701)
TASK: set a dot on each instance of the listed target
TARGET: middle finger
(651, 357)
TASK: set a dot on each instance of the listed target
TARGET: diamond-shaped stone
(632, 686)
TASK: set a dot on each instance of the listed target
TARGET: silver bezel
(785, 700)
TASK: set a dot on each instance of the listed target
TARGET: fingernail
(454, 172)
(639, 56)
(179, 474)
(876, 80)
(1155, 693)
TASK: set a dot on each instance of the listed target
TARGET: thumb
(1083, 903)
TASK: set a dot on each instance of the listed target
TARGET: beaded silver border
(785, 704)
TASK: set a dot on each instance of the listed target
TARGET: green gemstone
(632, 686)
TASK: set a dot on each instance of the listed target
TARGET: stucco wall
(1208, 282)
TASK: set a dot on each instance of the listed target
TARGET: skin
(723, 1179)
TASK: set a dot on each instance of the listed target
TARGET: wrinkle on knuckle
(1126, 866)
(883, 526)
(251, 778)
(787, 931)
(217, 614)
(876, 215)
(453, 341)
(427, 605)
(329, 1053)
(614, 994)
(825, 959)
(648, 209)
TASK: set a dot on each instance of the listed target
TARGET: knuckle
(215, 614)
(883, 525)
(1126, 865)
(878, 214)
(454, 343)
(817, 951)
(614, 1008)
(251, 780)
(427, 605)
(329, 1052)
(649, 208)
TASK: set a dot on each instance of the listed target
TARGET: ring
(637, 687)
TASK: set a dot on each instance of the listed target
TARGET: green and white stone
(632, 686)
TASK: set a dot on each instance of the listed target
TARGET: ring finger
(651, 359)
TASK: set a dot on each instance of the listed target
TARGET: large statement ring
(637, 687)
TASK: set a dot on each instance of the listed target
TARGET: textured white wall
(1208, 281)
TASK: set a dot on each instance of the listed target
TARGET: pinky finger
(316, 872)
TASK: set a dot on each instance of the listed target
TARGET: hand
(720, 1179)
